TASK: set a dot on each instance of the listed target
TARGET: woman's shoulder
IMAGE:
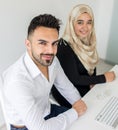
(63, 42)
(64, 47)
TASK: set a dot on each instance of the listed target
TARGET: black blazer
(75, 70)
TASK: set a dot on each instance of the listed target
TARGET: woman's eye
(89, 22)
(80, 22)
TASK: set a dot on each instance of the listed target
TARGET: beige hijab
(85, 49)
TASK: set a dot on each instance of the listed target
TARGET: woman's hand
(110, 76)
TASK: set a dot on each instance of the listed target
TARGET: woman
(78, 55)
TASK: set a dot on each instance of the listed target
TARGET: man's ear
(28, 44)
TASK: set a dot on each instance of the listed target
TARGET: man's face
(42, 45)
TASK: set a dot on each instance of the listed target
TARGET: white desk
(95, 100)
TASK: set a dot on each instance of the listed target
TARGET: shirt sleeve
(32, 113)
(65, 87)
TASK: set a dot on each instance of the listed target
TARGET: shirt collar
(31, 66)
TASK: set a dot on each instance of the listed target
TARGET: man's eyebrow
(41, 40)
(56, 41)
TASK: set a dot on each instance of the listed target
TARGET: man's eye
(55, 44)
(42, 43)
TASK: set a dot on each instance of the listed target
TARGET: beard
(39, 59)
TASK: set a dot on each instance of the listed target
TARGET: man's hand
(80, 107)
(110, 76)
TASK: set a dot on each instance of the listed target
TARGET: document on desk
(96, 99)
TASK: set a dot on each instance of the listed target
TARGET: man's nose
(50, 49)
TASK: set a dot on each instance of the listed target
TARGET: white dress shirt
(27, 90)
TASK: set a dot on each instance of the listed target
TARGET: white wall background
(15, 16)
(112, 48)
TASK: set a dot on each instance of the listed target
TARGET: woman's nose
(85, 26)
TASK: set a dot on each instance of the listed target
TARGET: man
(28, 82)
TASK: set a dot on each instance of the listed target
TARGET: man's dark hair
(46, 20)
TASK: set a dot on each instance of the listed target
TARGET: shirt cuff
(71, 115)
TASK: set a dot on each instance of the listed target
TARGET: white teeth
(84, 32)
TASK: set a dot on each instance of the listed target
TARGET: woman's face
(83, 25)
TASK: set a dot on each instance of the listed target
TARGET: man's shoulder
(16, 70)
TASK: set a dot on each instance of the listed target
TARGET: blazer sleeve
(73, 67)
